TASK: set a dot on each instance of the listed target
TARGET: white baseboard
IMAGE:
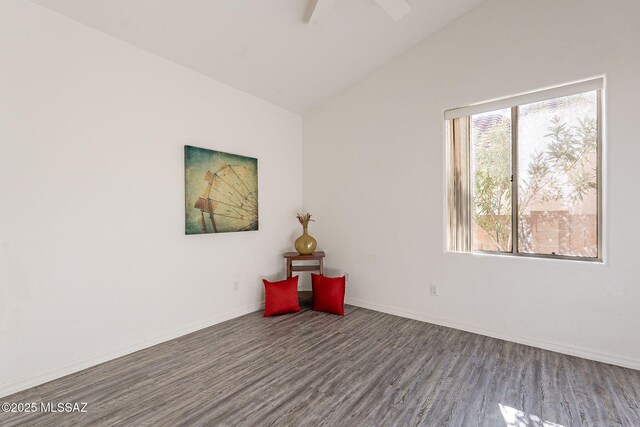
(86, 362)
(520, 339)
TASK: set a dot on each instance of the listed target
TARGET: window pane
(557, 176)
(491, 175)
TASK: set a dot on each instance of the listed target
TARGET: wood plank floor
(366, 369)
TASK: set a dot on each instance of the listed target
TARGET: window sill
(533, 256)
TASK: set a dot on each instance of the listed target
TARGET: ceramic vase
(305, 244)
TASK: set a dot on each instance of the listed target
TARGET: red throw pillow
(281, 297)
(328, 294)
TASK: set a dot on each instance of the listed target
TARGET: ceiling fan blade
(396, 9)
(318, 10)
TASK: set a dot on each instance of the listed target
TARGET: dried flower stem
(304, 219)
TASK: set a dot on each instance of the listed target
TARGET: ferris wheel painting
(221, 191)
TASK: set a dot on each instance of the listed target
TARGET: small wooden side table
(304, 297)
(290, 257)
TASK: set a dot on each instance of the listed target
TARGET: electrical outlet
(347, 277)
(236, 285)
(433, 290)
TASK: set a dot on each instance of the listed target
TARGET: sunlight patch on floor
(516, 418)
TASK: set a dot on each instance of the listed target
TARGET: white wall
(374, 177)
(94, 262)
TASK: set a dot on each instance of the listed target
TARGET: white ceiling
(265, 47)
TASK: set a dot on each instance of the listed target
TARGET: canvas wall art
(221, 191)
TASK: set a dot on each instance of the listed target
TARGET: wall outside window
(374, 171)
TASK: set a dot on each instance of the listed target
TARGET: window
(524, 174)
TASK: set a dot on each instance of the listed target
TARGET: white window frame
(453, 215)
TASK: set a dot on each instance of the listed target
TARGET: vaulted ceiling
(270, 48)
